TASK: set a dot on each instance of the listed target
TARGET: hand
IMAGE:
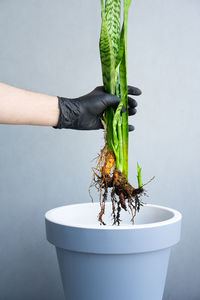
(86, 112)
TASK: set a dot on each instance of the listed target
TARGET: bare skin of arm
(21, 107)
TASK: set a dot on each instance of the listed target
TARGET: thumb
(111, 100)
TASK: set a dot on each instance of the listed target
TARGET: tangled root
(128, 197)
(123, 194)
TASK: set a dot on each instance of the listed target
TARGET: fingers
(132, 103)
(132, 111)
(111, 100)
(114, 101)
(131, 128)
(134, 90)
(101, 126)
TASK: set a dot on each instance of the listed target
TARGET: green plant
(113, 52)
(112, 163)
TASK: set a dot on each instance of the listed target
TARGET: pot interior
(86, 215)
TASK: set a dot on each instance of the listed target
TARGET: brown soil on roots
(110, 181)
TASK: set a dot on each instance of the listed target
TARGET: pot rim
(176, 217)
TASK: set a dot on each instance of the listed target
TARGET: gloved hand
(86, 112)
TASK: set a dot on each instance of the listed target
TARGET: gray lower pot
(113, 262)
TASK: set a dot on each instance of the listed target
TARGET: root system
(111, 182)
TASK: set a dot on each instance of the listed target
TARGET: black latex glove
(86, 112)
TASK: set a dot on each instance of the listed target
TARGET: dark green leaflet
(108, 72)
(107, 57)
(112, 13)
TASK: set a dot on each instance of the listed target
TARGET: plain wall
(52, 47)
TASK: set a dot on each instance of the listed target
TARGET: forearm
(18, 106)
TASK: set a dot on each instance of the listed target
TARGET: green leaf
(117, 137)
(121, 49)
(107, 57)
(124, 97)
(124, 87)
(139, 176)
(112, 14)
(116, 119)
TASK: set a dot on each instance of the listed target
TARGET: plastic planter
(113, 262)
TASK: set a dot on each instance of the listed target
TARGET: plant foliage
(113, 53)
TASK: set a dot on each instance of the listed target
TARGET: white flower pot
(126, 262)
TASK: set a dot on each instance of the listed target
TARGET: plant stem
(139, 176)
(121, 161)
(124, 88)
(109, 124)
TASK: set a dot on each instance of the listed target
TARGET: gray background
(52, 47)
